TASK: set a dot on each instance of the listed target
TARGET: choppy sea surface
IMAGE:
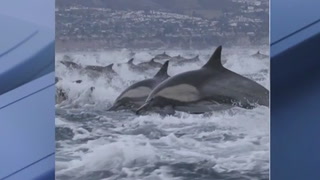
(94, 144)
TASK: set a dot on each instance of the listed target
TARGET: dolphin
(67, 58)
(183, 61)
(131, 54)
(79, 81)
(130, 61)
(101, 69)
(260, 55)
(96, 71)
(71, 65)
(163, 56)
(57, 79)
(136, 94)
(195, 91)
(177, 59)
(61, 95)
(134, 67)
(150, 64)
(86, 97)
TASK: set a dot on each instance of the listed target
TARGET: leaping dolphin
(184, 61)
(134, 67)
(96, 71)
(163, 56)
(195, 91)
(136, 94)
(177, 58)
(71, 65)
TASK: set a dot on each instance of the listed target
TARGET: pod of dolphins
(206, 89)
(210, 88)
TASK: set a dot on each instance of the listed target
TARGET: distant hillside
(151, 4)
(93, 24)
(204, 8)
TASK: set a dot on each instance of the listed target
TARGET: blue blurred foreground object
(295, 90)
(26, 53)
(26, 100)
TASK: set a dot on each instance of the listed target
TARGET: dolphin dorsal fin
(215, 59)
(131, 61)
(163, 72)
(110, 66)
(258, 52)
(152, 60)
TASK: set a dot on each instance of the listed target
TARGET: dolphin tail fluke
(163, 72)
(215, 59)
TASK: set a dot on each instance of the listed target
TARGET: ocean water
(94, 144)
